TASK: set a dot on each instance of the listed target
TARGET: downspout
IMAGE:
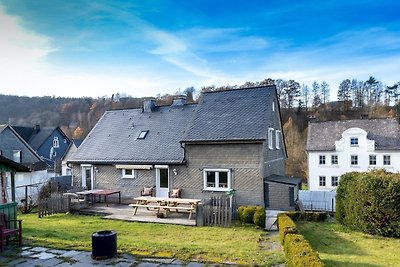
(184, 153)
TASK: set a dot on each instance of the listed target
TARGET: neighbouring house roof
(35, 137)
(114, 139)
(283, 179)
(233, 115)
(7, 164)
(77, 142)
(385, 133)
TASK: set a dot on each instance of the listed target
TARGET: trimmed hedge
(370, 202)
(285, 226)
(307, 216)
(252, 214)
(299, 253)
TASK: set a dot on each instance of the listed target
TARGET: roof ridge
(240, 89)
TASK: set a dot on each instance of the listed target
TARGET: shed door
(162, 182)
(266, 194)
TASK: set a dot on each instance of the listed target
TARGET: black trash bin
(104, 244)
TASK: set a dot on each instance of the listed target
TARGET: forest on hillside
(299, 104)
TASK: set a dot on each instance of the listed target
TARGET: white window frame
(273, 106)
(217, 188)
(322, 160)
(371, 160)
(56, 142)
(322, 178)
(270, 138)
(387, 160)
(130, 176)
(278, 139)
(336, 162)
(353, 139)
(142, 134)
(337, 181)
(355, 157)
(17, 156)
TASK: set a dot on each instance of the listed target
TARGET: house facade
(229, 140)
(72, 148)
(338, 147)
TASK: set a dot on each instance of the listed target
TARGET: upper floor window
(354, 141)
(386, 159)
(278, 139)
(372, 159)
(56, 142)
(273, 106)
(354, 160)
(217, 179)
(128, 173)
(270, 138)
(17, 157)
(335, 181)
(334, 159)
(322, 181)
(322, 160)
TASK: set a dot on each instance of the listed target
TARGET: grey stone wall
(279, 196)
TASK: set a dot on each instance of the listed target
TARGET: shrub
(240, 213)
(259, 217)
(307, 216)
(246, 214)
(369, 202)
(285, 226)
(299, 253)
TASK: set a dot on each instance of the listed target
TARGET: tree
(189, 92)
(316, 100)
(374, 89)
(292, 92)
(343, 93)
(325, 92)
(305, 92)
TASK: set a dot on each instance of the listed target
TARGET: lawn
(244, 245)
(340, 246)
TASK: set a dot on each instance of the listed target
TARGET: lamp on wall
(175, 172)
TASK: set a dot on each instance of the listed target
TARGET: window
(218, 179)
(335, 181)
(273, 106)
(270, 138)
(354, 141)
(372, 159)
(17, 156)
(128, 173)
(142, 134)
(278, 139)
(354, 160)
(321, 159)
(334, 159)
(322, 181)
(56, 142)
(65, 141)
(386, 159)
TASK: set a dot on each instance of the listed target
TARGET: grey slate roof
(385, 133)
(114, 140)
(283, 179)
(234, 115)
(33, 138)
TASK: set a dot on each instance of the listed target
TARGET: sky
(144, 48)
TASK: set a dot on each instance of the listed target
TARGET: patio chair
(176, 193)
(7, 229)
(147, 192)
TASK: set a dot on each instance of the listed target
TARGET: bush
(246, 214)
(369, 202)
(307, 216)
(259, 217)
(285, 226)
(299, 253)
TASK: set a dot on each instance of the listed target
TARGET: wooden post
(26, 199)
(13, 186)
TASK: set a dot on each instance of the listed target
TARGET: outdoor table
(99, 192)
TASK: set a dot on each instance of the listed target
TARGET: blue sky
(141, 48)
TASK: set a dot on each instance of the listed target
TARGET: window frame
(385, 160)
(128, 176)
(270, 138)
(217, 187)
(322, 160)
(143, 134)
(337, 181)
(372, 160)
(278, 134)
(322, 181)
(354, 139)
(354, 158)
(336, 162)
(19, 156)
(56, 142)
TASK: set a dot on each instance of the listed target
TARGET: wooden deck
(125, 213)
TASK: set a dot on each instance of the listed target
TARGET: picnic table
(92, 194)
(166, 204)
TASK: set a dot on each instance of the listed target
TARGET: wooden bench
(6, 230)
(163, 207)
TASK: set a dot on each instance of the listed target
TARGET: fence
(318, 200)
(217, 211)
(56, 203)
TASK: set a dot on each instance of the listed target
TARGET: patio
(125, 213)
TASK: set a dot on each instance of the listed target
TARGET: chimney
(179, 101)
(149, 105)
(36, 129)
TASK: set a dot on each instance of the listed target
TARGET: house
(50, 143)
(338, 147)
(72, 148)
(229, 140)
(14, 147)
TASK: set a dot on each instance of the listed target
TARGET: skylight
(142, 134)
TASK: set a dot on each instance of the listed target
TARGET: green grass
(243, 245)
(340, 246)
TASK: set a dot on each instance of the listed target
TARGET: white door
(162, 181)
(87, 177)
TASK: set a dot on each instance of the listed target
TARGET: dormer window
(56, 143)
(142, 134)
(354, 141)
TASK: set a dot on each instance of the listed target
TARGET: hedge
(299, 253)
(307, 216)
(252, 214)
(370, 202)
(285, 226)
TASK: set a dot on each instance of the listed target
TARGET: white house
(338, 147)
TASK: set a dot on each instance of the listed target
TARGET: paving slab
(57, 251)
(49, 262)
(159, 260)
(38, 249)
(195, 264)
(44, 256)
(148, 264)
(71, 253)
